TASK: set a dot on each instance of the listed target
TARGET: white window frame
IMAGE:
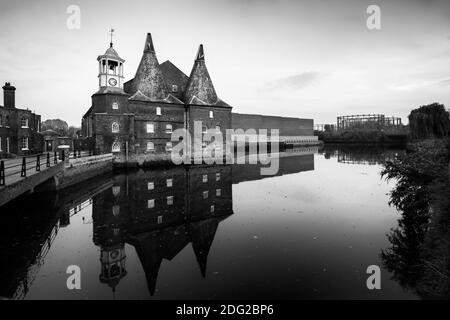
(150, 144)
(116, 210)
(169, 146)
(218, 192)
(169, 128)
(212, 208)
(169, 200)
(169, 183)
(24, 144)
(115, 106)
(150, 203)
(211, 114)
(159, 219)
(150, 185)
(205, 178)
(204, 129)
(115, 127)
(205, 194)
(26, 123)
(158, 111)
(150, 128)
(115, 146)
(217, 176)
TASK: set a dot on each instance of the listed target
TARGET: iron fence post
(38, 163)
(23, 173)
(2, 173)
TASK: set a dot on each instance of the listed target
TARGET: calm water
(309, 232)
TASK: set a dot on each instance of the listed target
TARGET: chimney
(9, 96)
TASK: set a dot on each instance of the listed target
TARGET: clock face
(112, 82)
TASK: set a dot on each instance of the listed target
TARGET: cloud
(298, 81)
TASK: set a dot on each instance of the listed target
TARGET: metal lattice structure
(367, 122)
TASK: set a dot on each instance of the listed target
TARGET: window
(7, 145)
(24, 143)
(205, 194)
(168, 146)
(205, 178)
(115, 147)
(211, 114)
(158, 111)
(24, 123)
(159, 219)
(169, 183)
(217, 176)
(174, 88)
(115, 190)
(151, 203)
(115, 127)
(7, 121)
(204, 129)
(115, 210)
(170, 200)
(115, 106)
(150, 146)
(211, 209)
(150, 185)
(168, 128)
(150, 128)
(218, 192)
(217, 128)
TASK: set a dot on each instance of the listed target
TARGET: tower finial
(149, 44)
(200, 53)
(111, 33)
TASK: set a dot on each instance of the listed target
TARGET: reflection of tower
(202, 236)
(112, 259)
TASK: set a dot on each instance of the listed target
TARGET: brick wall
(287, 126)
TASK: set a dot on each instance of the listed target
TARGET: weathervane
(111, 33)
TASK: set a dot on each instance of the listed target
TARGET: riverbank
(420, 248)
(363, 138)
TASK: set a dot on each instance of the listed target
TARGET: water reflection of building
(361, 155)
(160, 212)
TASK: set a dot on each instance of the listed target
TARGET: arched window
(115, 127)
(116, 147)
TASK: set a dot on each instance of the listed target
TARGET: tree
(430, 121)
(58, 125)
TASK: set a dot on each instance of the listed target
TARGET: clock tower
(110, 76)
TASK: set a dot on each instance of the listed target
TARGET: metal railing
(11, 167)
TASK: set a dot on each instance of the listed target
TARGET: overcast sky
(308, 59)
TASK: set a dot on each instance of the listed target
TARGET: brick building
(136, 118)
(19, 128)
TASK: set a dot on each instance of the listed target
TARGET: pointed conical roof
(202, 237)
(200, 89)
(149, 80)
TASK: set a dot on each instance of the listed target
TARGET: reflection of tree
(419, 256)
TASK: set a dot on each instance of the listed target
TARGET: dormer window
(174, 88)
